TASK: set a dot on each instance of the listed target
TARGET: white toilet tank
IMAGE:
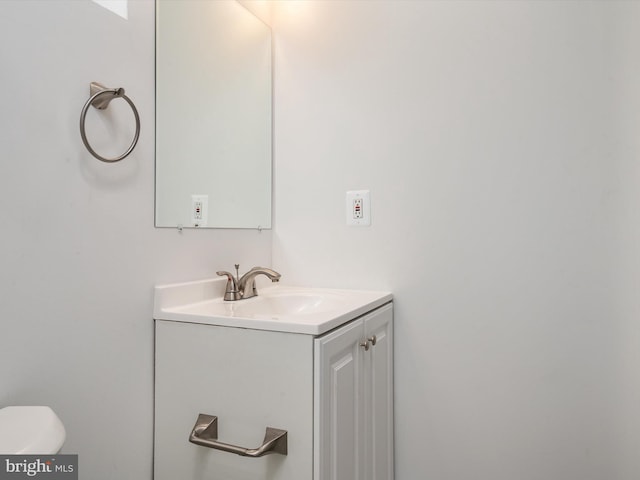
(30, 431)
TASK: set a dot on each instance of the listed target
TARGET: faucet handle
(222, 273)
(231, 290)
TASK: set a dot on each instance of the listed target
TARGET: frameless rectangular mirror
(213, 115)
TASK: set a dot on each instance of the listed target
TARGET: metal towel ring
(100, 98)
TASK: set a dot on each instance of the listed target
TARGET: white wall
(499, 140)
(500, 148)
(624, 157)
(80, 254)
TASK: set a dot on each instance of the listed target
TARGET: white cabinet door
(250, 380)
(338, 408)
(378, 395)
(353, 400)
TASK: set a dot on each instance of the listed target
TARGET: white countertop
(281, 308)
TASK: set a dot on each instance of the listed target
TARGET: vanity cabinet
(332, 393)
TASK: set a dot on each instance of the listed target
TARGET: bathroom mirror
(213, 115)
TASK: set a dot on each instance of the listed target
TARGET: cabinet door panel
(338, 408)
(250, 380)
(379, 395)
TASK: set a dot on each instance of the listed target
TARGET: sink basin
(277, 303)
(272, 303)
(279, 308)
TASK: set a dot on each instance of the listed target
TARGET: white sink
(271, 303)
(279, 308)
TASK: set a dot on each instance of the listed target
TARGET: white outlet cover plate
(204, 213)
(365, 219)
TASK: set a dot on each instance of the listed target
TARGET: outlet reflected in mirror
(213, 115)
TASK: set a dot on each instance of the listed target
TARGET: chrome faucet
(239, 288)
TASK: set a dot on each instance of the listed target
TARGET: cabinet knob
(365, 345)
(373, 340)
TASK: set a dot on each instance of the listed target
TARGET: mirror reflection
(213, 115)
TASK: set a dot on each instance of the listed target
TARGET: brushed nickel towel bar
(100, 98)
(205, 434)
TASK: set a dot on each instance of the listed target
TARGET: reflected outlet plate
(199, 210)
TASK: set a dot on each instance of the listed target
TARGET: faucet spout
(247, 283)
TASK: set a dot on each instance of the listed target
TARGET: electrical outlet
(199, 210)
(358, 208)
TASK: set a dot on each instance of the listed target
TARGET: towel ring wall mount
(100, 97)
